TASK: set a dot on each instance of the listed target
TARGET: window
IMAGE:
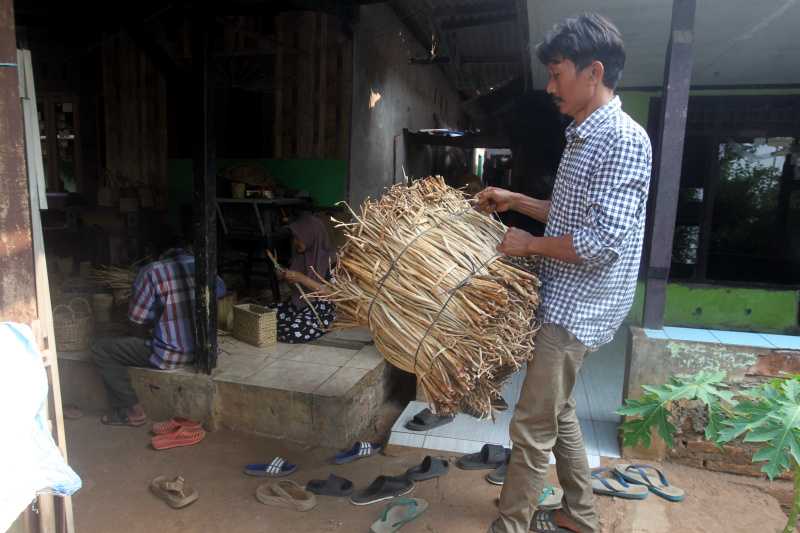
(58, 129)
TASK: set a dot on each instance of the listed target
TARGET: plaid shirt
(599, 197)
(164, 296)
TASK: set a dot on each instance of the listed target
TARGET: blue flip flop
(608, 483)
(278, 467)
(637, 474)
(360, 450)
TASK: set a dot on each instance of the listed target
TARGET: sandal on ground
(174, 424)
(333, 486)
(490, 457)
(543, 522)
(399, 513)
(609, 483)
(278, 467)
(431, 467)
(286, 493)
(175, 492)
(383, 488)
(549, 499)
(177, 439)
(360, 450)
(119, 417)
(425, 420)
(656, 481)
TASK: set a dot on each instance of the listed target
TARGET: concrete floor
(116, 465)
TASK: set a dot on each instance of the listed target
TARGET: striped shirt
(599, 197)
(163, 295)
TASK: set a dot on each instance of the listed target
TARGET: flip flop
(174, 424)
(286, 493)
(637, 474)
(278, 467)
(399, 513)
(430, 468)
(489, 458)
(615, 485)
(383, 488)
(360, 450)
(543, 522)
(498, 475)
(176, 439)
(549, 499)
(333, 486)
(119, 417)
(425, 420)
(175, 492)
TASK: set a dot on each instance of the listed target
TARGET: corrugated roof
(482, 38)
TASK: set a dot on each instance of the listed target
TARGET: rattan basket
(72, 325)
(255, 324)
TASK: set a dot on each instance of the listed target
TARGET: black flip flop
(425, 420)
(490, 457)
(543, 522)
(430, 468)
(333, 486)
(383, 488)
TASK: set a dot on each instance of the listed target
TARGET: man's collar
(598, 116)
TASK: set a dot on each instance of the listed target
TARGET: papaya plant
(768, 415)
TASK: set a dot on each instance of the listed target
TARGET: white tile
(603, 375)
(783, 342)
(589, 437)
(656, 334)
(739, 338)
(690, 334)
(409, 440)
(606, 433)
(513, 387)
(594, 461)
(467, 427)
(581, 400)
(447, 444)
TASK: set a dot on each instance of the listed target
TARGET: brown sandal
(176, 493)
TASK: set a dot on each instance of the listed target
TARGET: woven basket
(72, 325)
(255, 324)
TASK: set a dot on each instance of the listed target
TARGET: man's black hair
(584, 39)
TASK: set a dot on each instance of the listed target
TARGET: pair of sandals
(391, 487)
(634, 482)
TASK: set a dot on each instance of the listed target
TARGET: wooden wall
(135, 114)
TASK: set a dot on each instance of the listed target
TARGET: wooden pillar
(669, 153)
(205, 193)
(17, 290)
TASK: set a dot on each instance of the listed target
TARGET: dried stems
(420, 269)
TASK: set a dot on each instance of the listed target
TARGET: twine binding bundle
(420, 269)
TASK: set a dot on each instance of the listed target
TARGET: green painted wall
(734, 308)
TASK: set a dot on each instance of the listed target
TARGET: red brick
(775, 364)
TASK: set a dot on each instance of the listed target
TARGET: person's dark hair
(583, 39)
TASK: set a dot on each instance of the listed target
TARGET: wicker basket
(255, 324)
(72, 325)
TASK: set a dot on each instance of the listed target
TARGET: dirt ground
(116, 465)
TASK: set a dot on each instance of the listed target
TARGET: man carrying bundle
(591, 249)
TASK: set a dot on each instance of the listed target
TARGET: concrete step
(306, 393)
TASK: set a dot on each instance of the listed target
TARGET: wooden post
(665, 188)
(205, 193)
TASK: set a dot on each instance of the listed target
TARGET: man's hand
(516, 242)
(291, 276)
(492, 199)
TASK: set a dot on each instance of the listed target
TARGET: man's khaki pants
(545, 421)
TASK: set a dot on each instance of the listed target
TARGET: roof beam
(474, 9)
(488, 20)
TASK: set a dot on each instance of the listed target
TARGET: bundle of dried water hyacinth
(420, 269)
